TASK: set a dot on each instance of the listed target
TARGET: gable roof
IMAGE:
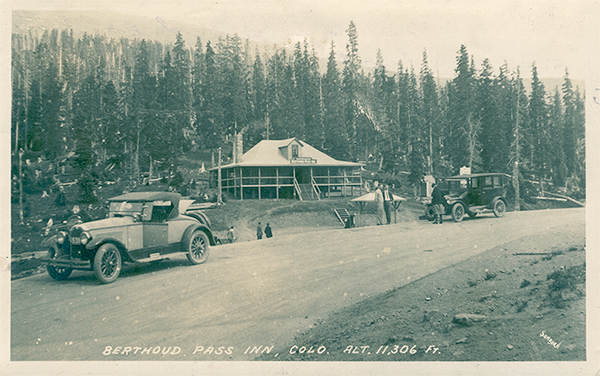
(268, 153)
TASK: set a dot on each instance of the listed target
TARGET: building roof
(269, 153)
(469, 176)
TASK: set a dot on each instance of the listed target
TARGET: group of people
(385, 207)
(268, 231)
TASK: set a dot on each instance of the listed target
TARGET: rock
(510, 347)
(427, 299)
(468, 318)
(462, 340)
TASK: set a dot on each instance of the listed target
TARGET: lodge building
(290, 168)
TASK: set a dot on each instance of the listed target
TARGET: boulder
(468, 319)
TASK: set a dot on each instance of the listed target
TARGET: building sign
(303, 160)
(464, 170)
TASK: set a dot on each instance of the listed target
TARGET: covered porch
(289, 182)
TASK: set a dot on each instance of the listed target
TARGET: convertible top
(148, 196)
(152, 196)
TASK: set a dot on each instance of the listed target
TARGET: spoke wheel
(499, 208)
(458, 212)
(198, 247)
(57, 272)
(429, 213)
(107, 263)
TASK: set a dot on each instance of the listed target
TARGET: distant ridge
(117, 25)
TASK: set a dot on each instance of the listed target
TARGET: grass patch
(565, 284)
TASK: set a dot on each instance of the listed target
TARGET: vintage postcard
(300, 187)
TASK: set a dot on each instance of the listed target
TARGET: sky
(553, 34)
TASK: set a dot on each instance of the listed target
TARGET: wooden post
(328, 183)
(220, 195)
(21, 185)
(241, 185)
(277, 182)
(259, 185)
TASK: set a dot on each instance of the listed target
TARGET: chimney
(239, 147)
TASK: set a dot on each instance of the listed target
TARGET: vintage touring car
(141, 227)
(472, 194)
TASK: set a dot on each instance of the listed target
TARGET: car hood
(105, 223)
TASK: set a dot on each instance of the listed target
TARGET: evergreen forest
(129, 104)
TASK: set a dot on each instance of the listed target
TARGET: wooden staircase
(307, 192)
(345, 219)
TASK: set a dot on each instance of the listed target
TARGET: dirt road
(249, 296)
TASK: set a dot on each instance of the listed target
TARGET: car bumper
(68, 263)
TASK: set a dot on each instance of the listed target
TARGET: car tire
(499, 208)
(107, 263)
(56, 272)
(429, 213)
(458, 212)
(198, 247)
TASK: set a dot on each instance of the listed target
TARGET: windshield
(122, 208)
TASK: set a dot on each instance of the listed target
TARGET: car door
(488, 190)
(474, 197)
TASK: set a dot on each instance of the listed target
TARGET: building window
(294, 151)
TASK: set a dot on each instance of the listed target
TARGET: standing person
(380, 209)
(259, 232)
(438, 203)
(231, 235)
(387, 203)
(268, 231)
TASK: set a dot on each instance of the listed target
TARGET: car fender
(96, 243)
(50, 242)
(200, 217)
(188, 234)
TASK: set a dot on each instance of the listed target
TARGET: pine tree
(350, 90)
(493, 137)
(429, 112)
(538, 136)
(463, 141)
(336, 143)
(210, 121)
(558, 167)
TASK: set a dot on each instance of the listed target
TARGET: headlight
(60, 237)
(85, 237)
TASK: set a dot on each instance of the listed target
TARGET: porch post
(328, 183)
(241, 185)
(277, 182)
(259, 183)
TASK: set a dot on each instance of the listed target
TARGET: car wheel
(107, 263)
(56, 272)
(198, 247)
(458, 212)
(499, 208)
(429, 213)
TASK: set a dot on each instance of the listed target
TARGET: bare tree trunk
(21, 186)
(136, 158)
(515, 177)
